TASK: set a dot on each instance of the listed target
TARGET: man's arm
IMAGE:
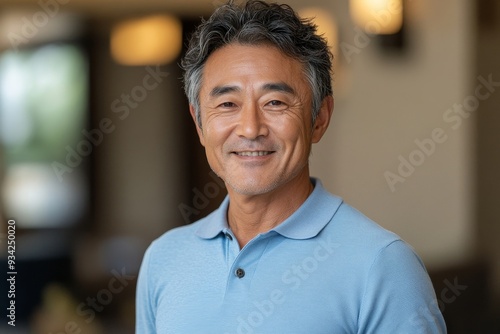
(399, 297)
(145, 309)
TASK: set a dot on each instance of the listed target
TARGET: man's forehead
(245, 50)
(229, 68)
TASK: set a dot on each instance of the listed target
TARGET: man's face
(256, 118)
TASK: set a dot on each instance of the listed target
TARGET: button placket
(245, 263)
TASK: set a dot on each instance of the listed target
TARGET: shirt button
(240, 273)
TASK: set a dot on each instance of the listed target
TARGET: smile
(253, 153)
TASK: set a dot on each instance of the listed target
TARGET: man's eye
(227, 105)
(276, 105)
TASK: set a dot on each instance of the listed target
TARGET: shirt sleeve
(399, 296)
(144, 305)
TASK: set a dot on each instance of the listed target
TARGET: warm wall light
(147, 41)
(380, 17)
(326, 24)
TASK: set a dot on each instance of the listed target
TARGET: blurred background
(99, 156)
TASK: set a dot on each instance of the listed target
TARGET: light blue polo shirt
(325, 269)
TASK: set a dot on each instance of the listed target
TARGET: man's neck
(249, 216)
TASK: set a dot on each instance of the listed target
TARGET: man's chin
(250, 187)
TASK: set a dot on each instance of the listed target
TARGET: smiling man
(281, 254)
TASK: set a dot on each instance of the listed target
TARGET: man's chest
(273, 288)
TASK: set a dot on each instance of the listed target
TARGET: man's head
(258, 81)
(258, 22)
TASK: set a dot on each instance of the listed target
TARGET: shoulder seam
(370, 269)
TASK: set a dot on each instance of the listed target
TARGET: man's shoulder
(349, 223)
(366, 243)
(178, 240)
(178, 235)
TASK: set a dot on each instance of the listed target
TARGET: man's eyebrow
(273, 86)
(221, 90)
(278, 86)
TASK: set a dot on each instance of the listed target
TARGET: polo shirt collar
(215, 223)
(306, 222)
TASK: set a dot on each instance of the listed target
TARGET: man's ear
(323, 119)
(198, 127)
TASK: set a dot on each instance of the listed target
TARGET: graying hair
(258, 22)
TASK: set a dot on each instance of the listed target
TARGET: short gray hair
(258, 22)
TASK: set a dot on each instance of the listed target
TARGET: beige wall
(383, 104)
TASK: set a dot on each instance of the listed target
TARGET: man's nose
(252, 123)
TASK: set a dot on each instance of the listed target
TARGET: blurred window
(43, 110)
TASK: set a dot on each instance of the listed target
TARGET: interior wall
(385, 102)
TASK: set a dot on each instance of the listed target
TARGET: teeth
(253, 153)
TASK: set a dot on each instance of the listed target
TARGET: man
(281, 254)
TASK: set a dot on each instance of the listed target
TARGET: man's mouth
(253, 153)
